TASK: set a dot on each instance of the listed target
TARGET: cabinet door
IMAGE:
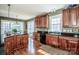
(78, 16)
(73, 17)
(55, 40)
(39, 22)
(36, 22)
(46, 21)
(43, 21)
(24, 40)
(18, 39)
(48, 39)
(62, 42)
(66, 18)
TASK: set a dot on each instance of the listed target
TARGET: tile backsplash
(70, 29)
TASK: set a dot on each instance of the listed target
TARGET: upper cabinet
(41, 21)
(78, 16)
(71, 17)
(66, 17)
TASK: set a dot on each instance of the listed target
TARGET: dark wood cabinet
(41, 21)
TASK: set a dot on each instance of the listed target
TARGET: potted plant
(14, 31)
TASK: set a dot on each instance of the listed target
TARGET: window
(7, 26)
(55, 23)
(30, 27)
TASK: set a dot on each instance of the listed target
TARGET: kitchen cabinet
(48, 39)
(72, 47)
(24, 41)
(55, 40)
(41, 21)
(8, 49)
(36, 38)
(70, 44)
(63, 42)
(36, 21)
(46, 21)
(66, 17)
(52, 40)
(78, 16)
(71, 17)
(14, 43)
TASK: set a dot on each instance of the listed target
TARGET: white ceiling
(31, 10)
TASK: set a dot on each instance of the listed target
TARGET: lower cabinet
(36, 38)
(70, 44)
(52, 40)
(63, 42)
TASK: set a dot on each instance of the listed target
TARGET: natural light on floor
(43, 52)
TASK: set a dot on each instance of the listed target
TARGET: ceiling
(32, 10)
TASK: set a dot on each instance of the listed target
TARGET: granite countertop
(66, 32)
(69, 34)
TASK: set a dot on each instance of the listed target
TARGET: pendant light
(9, 10)
(16, 20)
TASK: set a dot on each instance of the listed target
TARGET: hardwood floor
(33, 49)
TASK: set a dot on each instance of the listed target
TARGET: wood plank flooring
(33, 49)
